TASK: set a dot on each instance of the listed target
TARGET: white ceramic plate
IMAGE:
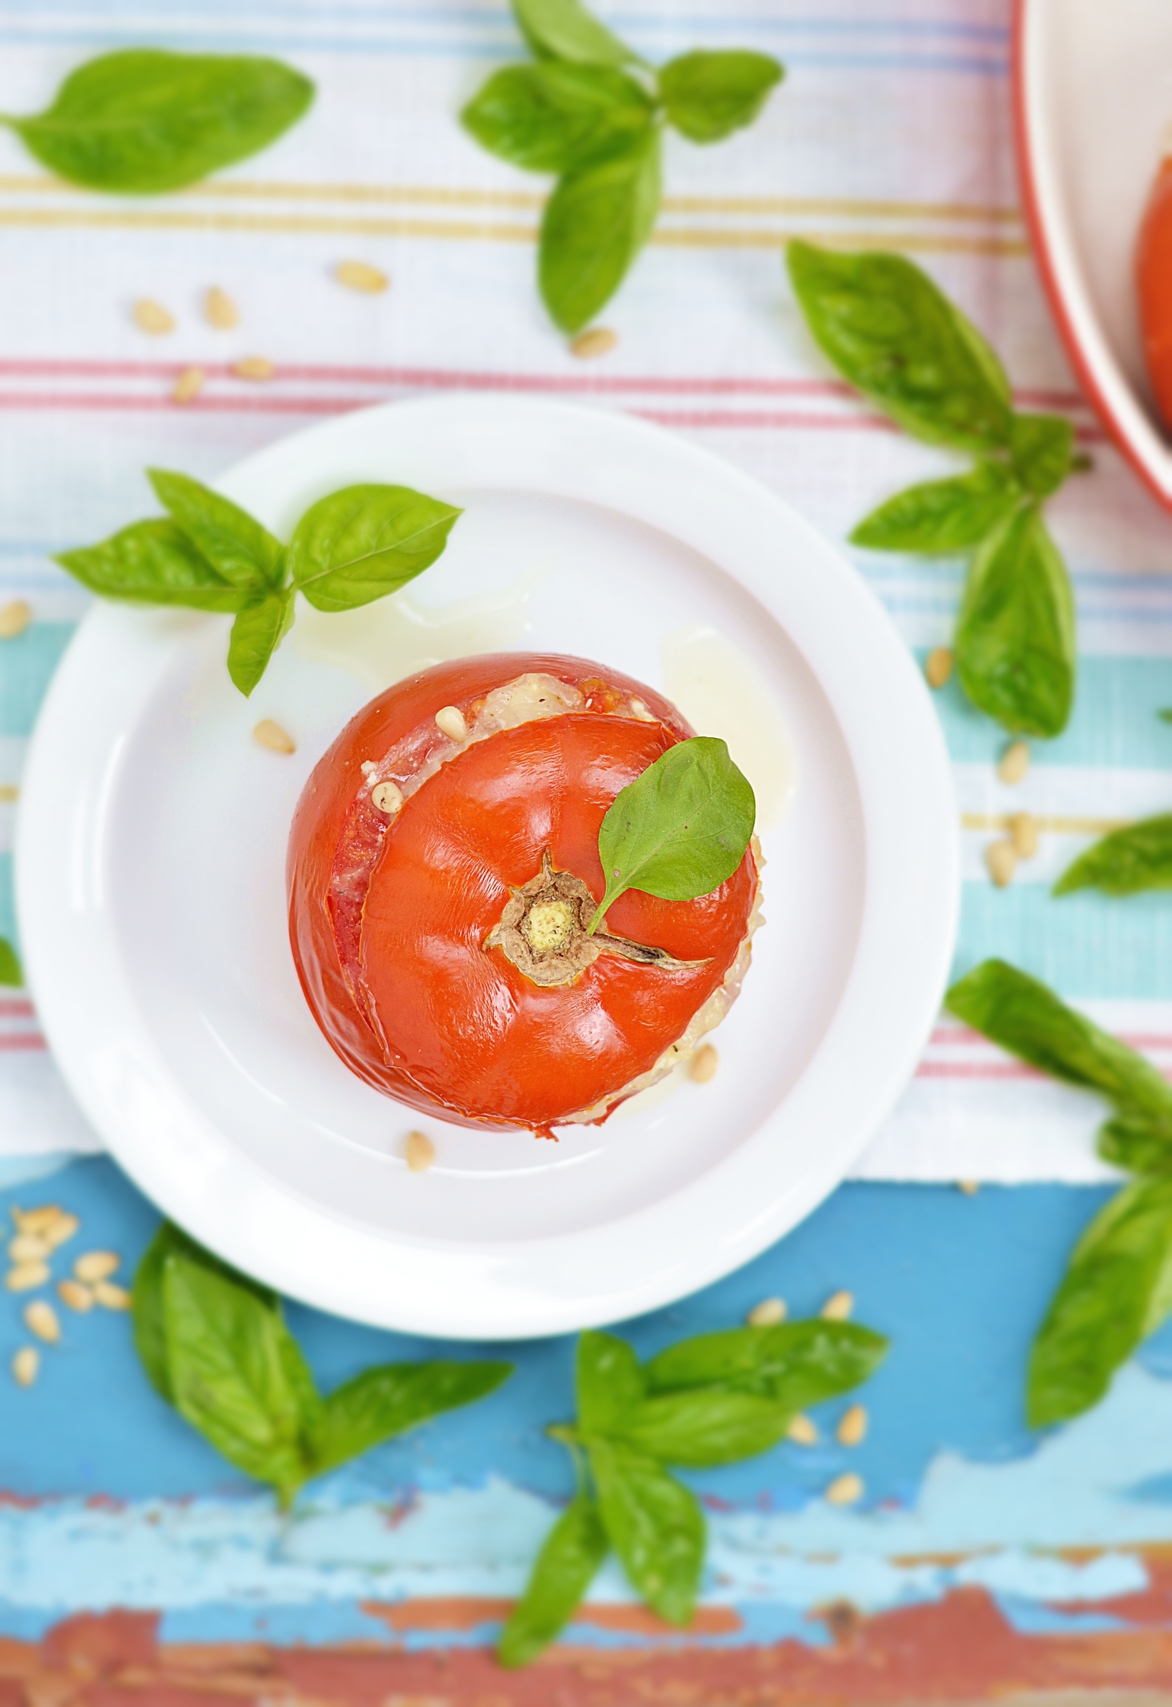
(152, 907)
(1093, 94)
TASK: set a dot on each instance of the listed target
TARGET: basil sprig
(11, 972)
(215, 1345)
(711, 1400)
(593, 112)
(209, 554)
(1118, 1286)
(1126, 862)
(897, 338)
(680, 829)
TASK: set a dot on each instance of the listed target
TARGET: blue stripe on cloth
(28, 662)
(1088, 947)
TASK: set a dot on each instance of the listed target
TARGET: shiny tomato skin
(1153, 272)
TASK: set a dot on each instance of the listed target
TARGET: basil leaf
(388, 1400)
(564, 29)
(1165, 716)
(654, 1524)
(1131, 1141)
(794, 1365)
(1126, 862)
(11, 971)
(1117, 1290)
(238, 548)
(888, 330)
(610, 1384)
(1024, 1017)
(152, 563)
(149, 1323)
(143, 121)
(257, 632)
(680, 829)
(595, 223)
(365, 541)
(704, 1427)
(569, 1558)
(709, 95)
(1015, 638)
(1042, 451)
(940, 517)
(553, 117)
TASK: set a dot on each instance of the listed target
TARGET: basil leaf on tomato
(709, 95)
(1042, 452)
(552, 117)
(153, 563)
(704, 1427)
(569, 1560)
(1137, 1142)
(609, 1382)
(390, 1399)
(142, 121)
(654, 1524)
(1126, 862)
(939, 517)
(595, 223)
(793, 1365)
(256, 633)
(364, 542)
(11, 971)
(564, 29)
(236, 545)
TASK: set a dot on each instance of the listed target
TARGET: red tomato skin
(388, 918)
(1153, 274)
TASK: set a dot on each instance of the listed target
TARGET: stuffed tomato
(443, 871)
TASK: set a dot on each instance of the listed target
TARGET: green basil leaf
(889, 331)
(654, 1524)
(1042, 450)
(257, 632)
(1117, 1290)
(552, 117)
(143, 121)
(1126, 862)
(794, 1365)
(388, 1400)
(595, 223)
(680, 829)
(1024, 1017)
(610, 1384)
(940, 517)
(1165, 716)
(1142, 1145)
(149, 1323)
(706, 1426)
(568, 1561)
(365, 541)
(11, 971)
(709, 95)
(238, 548)
(564, 29)
(1015, 638)
(152, 563)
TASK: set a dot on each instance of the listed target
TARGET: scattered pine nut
(449, 720)
(41, 1319)
(26, 1247)
(188, 385)
(111, 1297)
(938, 666)
(420, 1152)
(1014, 762)
(15, 617)
(767, 1313)
(704, 1064)
(852, 1428)
(25, 1365)
(1023, 832)
(36, 1220)
(1001, 859)
(60, 1229)
(387, 797)
(27, 1276)
(360, 275)
(970, 1187)
(598, 341)
(219, 309)
(152, 316)
(272, 736)
(96, 1265)
(838, 1307)
(802, 1431)
(77, 1296)
(253, 367)
(844, 1490)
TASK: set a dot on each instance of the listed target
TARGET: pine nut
(838, 1307)
(15, 617)
(970, 1187)
(938, 666)
(253, 367)
(96, 1265)
(36, 1220)
(387, 797)
(844, 1490)
(1001, 859)
(25, 1365)
(767, 1313)
(60, 1229)
(852, 1429)
(1014, 762)
(77, 1296)
(27, 1276)
(1023, 831)
(360, 275)
(188, 385)
(449, 720)
(26, 1247)
(41, 1319)
(420, 1152)
(272, 736)
(802, 1431)
(598, 341)
(111, 1297)
(152, 317)
(704, 1064)
(219, 309)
